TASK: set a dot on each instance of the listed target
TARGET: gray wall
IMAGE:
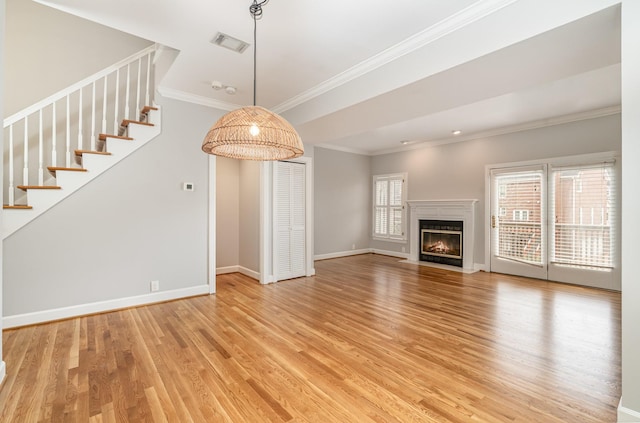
(342, 207)
(131, 225)
(69, 49)
(2, 25)
(457, 171)
(630, 209)
(249, 225)
(454, 171)
(227, 212)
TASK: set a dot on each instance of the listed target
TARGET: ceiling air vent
(227, 41)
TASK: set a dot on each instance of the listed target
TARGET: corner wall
(2, 25)
(249, 224)
(457, 171)
(629, 410)
(342, 203)
(105, 243)
(227, 213)
(69, 48)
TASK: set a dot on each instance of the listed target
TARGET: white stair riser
(119, 147)
(72, 180)
(96, 163)
(18, 218)
(44, 198)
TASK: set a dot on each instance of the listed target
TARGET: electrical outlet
(353, 246)
(403, 249)
(155, 286)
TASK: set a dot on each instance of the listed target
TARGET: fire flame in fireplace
(439, 247)
(442, 243)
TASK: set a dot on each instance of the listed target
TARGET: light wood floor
(367, 340)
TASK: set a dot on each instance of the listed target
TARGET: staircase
(64, 125)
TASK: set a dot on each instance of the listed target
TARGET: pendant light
(253, 132)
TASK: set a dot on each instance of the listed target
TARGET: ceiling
(363, 76)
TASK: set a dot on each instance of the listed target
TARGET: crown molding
(344, 149)
(196, 99)
(536, 124)
(451, 24)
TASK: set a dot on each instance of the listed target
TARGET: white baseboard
(248, 272)
(361, 251)
(342, 254)
(480, 267)
(238, 269)
(3, 371)
(100, 307)
(626, 415)
(390, 253)
(228, 269)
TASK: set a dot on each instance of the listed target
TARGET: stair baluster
(40, 150)
(25, 168)
(68, 135)
(126, 101)
(138, 87)
(115, 111)
(93, 115)
(54, 135)
(11, 181)
(80, 120)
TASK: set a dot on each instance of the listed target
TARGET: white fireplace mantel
(461, 210)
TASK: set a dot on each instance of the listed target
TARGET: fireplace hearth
(441, 241)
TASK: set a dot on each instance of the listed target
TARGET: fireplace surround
(447, 211)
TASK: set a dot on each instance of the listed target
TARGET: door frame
(267, 212)
(522, 268)
(212, 225)
(615, 283)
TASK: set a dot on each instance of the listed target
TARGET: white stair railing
(102, 96)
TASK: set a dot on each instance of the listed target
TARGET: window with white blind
(519, 223)
(389, 197)
(583, 210)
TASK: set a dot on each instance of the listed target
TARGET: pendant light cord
(256, 11)
(255, 50)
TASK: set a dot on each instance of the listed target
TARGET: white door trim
(267, 256)
(212, 225)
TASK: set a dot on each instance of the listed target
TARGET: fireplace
(461, 211)
(441, 241)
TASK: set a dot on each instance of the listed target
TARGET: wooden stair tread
(103, 137)
(17, 207)
(147, 109)
(26, 187)
(81, 152)
(126, 123)
(54, 169)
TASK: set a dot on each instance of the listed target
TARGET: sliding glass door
(583, 224)
(518, 230)
(556, 222)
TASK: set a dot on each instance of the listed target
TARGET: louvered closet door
(290, 213)
(518, 223)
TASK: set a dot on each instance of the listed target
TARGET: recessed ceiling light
(405, 142)
(456, 132)
(227, 41)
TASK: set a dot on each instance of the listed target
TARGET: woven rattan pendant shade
(253, 133)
